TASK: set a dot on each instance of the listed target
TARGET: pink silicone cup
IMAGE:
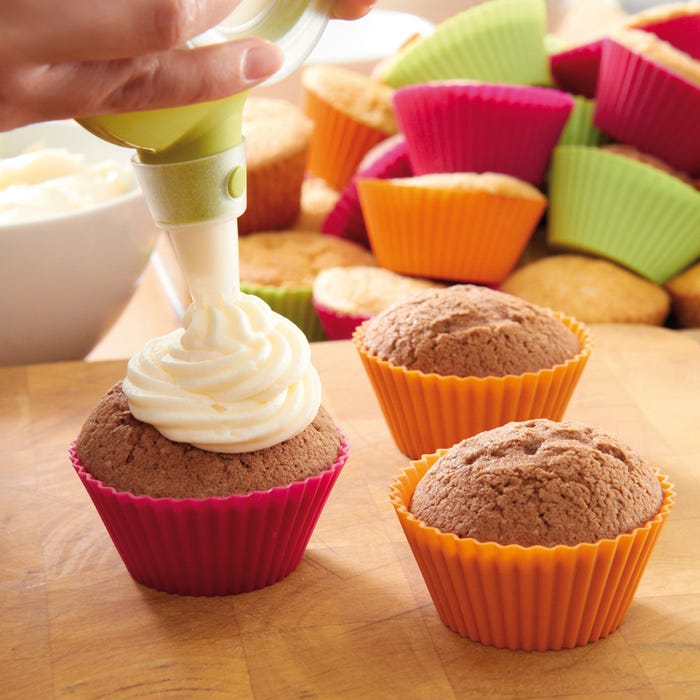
(576, 70)
(643, 104)
(212, 546)
(479, 127)
(345, 220)
(336, 325)
(682, 32)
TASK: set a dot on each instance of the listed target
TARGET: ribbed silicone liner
(213, 546)
(579, 129)
(426, 412)
(643, 104)
(338, 142)
(499, 42)
(448, 234)
(345, 220)
(576, 70)
(293, 303)
(466, 127)
(623, 210)
(527, 598)
(337, 326)
(683, 32)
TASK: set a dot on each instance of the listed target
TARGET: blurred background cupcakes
(463, 126)
(280, 266)
(465, 227)
(685, 297)
(533, 535)
(351, 113)
(344, 297)
(448, 363)
(627, 211)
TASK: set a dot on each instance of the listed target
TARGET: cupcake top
(363, 290)
(130, 455)
(294, 258)
(591, 290)
(354, 94)
(317, 199)
(660, 52)
(631, 152)
(492, 183)
(538, 483)
(469, 331)
(662, 13)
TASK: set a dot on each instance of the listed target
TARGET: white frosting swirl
(237, 377)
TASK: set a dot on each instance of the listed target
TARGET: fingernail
(261, 61)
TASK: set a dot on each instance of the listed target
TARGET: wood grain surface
(355, 619)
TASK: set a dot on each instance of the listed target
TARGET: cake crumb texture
(538, 482)
(133, 456)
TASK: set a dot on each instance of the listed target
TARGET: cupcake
(533, 535)
(590, 289)
(387, 159)
(277, 136)
(685, 297)
(351, 113)
(575, 68)
(448, 363)
(624, 210)
(280, 266)
(464, 227)
(649, 97)
(318, 199)
(676, 23)
(344, 297)
(465, 126)
(210, 463)
(500, 41)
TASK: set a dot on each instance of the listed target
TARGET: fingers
(166, 79)
(352, 9)
(46, 31)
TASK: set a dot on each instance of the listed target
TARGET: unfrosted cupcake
(448, 363)
(318, 199)
(278, 136)
(465, 227)
(685, 296)
(351, 113)
(589, 289)
(344, 297)
(280, 267)
(533, 535)
(676, 23)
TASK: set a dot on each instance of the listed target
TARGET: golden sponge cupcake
(590, 289)
(685, 297)
(448, 363)
(318, 199)
(278, 136)
(351, 113)
(464, 227)
(533, 535)
(280, 267)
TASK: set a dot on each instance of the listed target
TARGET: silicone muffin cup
(337, 326)
(427, 412)
(576, 69)
(683, 32)
(527, 598)
(623, 210)
(643, 104)
(499, 42)
(448, 234)
(293, 303)
(213, 546)
(475, 127)
(579, 129)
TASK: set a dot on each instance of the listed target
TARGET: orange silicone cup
(450, 234)
(527, 598)
(338, 142)
(426, 412)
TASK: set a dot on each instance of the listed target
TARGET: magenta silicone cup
(642, 104)
(336, 325)
(345, 220)
(575, 70)
(463, 126)
(212, 546)
(683, 32)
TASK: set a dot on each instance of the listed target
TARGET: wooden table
(354, 620)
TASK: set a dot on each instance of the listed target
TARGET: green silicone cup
(293, 303)
(502, 41)
(623, 210)
(579, 129)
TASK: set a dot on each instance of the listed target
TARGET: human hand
(78, 58)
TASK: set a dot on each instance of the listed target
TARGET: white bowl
(65, 280)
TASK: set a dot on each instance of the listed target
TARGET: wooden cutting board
(354, 620)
